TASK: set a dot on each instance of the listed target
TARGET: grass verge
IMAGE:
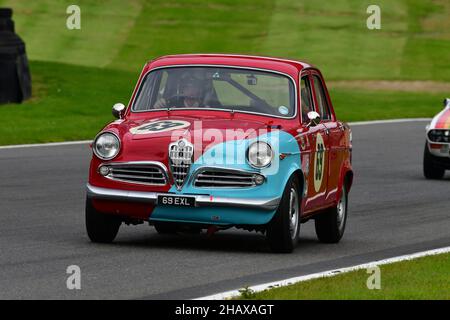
(423, 278)
(412, 44)
(69, 103)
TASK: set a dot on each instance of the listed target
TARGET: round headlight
(106, 146)
(259, 154)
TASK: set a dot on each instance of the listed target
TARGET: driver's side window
(306, 98)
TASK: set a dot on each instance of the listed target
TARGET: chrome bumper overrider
(200, 200)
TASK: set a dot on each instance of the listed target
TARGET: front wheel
(101, 227)
(330, 225)
(430, 170)
(284, 229)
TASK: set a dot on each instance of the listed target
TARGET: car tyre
(430, 170)
(101, 227)
(283, 230)
(330, 224)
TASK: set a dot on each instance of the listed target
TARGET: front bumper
(440, 151)
(266, 204)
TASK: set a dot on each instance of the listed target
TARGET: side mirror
(314, 119)
(118, 110)
(446, 102)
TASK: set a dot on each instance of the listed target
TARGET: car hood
(441, 120)
(161, 127)
(146, 139)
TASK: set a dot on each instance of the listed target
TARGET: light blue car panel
(220, 155)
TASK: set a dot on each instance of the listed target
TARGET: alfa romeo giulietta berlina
(212, 141)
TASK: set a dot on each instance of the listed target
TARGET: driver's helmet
(192, 89)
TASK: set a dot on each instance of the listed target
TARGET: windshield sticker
(283, 110)
(159, 126)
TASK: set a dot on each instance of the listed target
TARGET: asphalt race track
(393, 211)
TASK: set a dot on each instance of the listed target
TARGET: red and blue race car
(213, 141)
(436, 157)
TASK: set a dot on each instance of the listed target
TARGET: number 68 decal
(159, 126)
(319, 162)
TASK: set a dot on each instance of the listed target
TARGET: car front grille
(180, 158)
(140, 173)
(225, 178)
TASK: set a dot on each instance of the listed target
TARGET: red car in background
(213, 141)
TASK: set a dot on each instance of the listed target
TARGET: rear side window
(306, 99)
(323, 108)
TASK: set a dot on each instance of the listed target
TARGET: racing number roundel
(319, 163)
(159, 126)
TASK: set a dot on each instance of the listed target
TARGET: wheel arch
(347, 179)
(301, 179)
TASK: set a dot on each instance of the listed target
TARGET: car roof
(290, 67)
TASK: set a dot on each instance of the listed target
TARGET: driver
(191, 96)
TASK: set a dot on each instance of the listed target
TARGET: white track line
(68, 143)
(50, 144)
(329, 273)
(363, 123)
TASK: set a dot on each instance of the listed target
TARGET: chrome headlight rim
(94, 148)
(271, 155)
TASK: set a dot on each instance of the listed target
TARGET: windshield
(217, 88)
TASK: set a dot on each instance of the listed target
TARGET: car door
(320, 163)
(312, 144)
(334, 133)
